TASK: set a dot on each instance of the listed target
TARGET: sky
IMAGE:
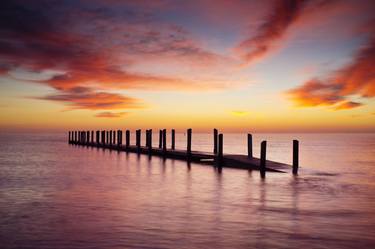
(235, 65)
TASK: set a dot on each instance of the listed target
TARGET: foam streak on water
(55, 195)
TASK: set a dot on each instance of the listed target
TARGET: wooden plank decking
(228, 160)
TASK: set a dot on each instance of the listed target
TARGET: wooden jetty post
(127, 139)
(160, 138)
(114, 137)
(92, 136)
(119, 138)
(263, 148)
(220, 150)
(69, 140)
(295, 157)
(106, 137)
(110, 137)
(103, 137)
(164, 141)
(138, 139)
(249, 146)
(87, 137)
(173, 136)
(188, 147)
(147, 138)
(150, 141)
(75, 136)
(215, 141)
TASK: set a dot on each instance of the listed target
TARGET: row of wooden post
(109, 138)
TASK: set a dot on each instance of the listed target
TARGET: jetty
(113, 140)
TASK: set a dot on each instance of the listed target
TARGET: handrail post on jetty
(160, 138)
(249, 146)
(138, 140)
(119, 138)
(164, 141)
(114, 138)
(295, 156)
(110, 137)
(146, 138)
(263, 148)
(173, 136)
(188, 147)
(220, 151)
(150, 141)
(215, 141)
(127, 139)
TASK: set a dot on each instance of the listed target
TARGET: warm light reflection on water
(55, 195)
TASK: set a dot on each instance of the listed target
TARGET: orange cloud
(94, 48)
(347, 105)
(110, 114)
(273, 29)
(284, 13)
(357, 78)
(85, 98)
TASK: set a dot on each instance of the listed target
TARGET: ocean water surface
(56, 195)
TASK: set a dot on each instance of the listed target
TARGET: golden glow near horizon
(160, 68)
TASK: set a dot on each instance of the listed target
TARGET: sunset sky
(237, 65)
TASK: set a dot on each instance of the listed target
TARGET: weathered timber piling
(127, 139)
(87, 137)
(160, 138)
(215, 141)
(164, 141)
(173, 136)
(188, 146)
(249, 146)
(150, 141)
(263, 148)
(106, 137)
(103, 138)
(138, 139)
(92, 136)
(119, 138)
(295, 156)
(220, 150)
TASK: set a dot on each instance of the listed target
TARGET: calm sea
(55, 195)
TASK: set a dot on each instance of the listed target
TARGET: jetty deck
(107, 140)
